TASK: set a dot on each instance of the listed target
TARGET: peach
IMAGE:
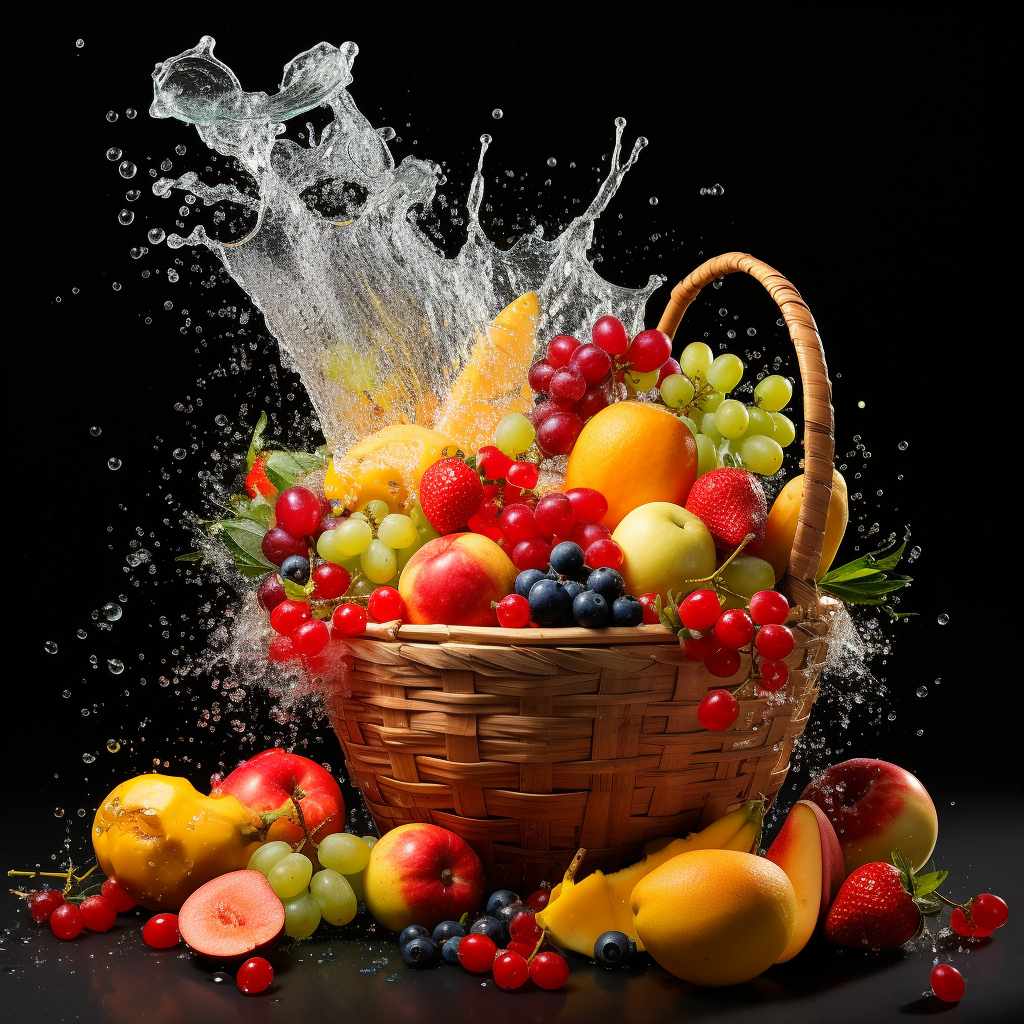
(808, 850)
(876, 807)
(454, 579)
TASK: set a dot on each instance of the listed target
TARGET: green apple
(664, 547)
(746, 575)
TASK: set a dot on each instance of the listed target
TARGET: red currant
(549, 970)
(539, 375)
(557, 433)
(989, 911)
(589, 505)
(948, 983)
(524, 475)
(298, 511)
(517, 523)
(650, 611)
(774, 641)
(493, 461)
(98, 913)
(560, 350)
(255, 976)
(539, 900)
(567, 383)
(554, 514)
(722, 662)
(649, 351)
(524, 926)
(734, 629)
(534, 553)
(698, 649)
(115, 891)
(774, 674)
(310, 638)
(593, 401)
(349, 619)
(271, 593)
(592, 362)
(281, 650)
(700, 610)
(718, 710)
(386, 604)
(66, 921)
(963, 924)
(511, 971)
(769, 606)
(523, 947)
(513, 611)
(670, 366)
(330, 581)
(161, 931)
(289, 615)
(278, 544)
(42, 904)
(476, 953)
(604, 553)
(609, 334)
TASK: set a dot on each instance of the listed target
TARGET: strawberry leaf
(924, 884)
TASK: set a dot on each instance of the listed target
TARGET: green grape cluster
(729, 432)
(374, 544)
(331, 895)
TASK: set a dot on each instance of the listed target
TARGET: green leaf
(850, 596)
(924, 884)
(889, 561)
(286, 469)
(256, 445)
(244, 539)
(191, 556)
(295, 591)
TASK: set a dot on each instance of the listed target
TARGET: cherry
(539, 900)
(963, 924)
(718, 710)
(649, 351)
(517, 523)
(66, 921)
(161, 931)
(349, 619)
(281, 650)
(476, 952)
(593, 401)
(774, 674)
(310, 637)
(948, 983)
(298, 511)
(534, 553)
(522, 474)
(98, 913)
(609, 334)
(549, 970)
(513, 611)
(557, 433)
(288, 615)
(722, 662)
(494, 462)
(774, 641)
(589, 505)
(554, 514)
(386, 604)
(700, 610)
(650, 612)
(734, 629)
(116, 892)
(255, 976)
(567, 383)
(271, 593)
(592, 362)
(586, 534)
(768, 606)
(42, 904)
(989, 911)
(604, 553)
(278, 544)
(511, 971)
(560, 350)
(329, 581)
(539, 375)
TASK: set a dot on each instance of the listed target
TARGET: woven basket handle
(819, 442)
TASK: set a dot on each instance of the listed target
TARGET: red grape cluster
(575, 380)
(69, 917)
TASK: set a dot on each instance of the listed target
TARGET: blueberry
(501, 898)
(410, 933)
(606, 582)
(613, 949)
(548, 602)
(627, 611)
(526, 579)
(567, 558)
(447, 930)
(489, 926)
(572, 588)
(296, 569)
(450, 950)
(420, 951)
(590, 609)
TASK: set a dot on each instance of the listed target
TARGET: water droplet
(920, 732)
(902, 446)
(130, 113)
(79, 43)
(172, 275)
(861, 404)
(74, 291)
(111, 115)
(891, 716)
(165, 165)
(169, 305)
(179, 149)
(111, 611)
(653, 200)
(58, 812)
(922, 691)
(132, 194)
(114, 153)
(116, 286)
(497, 113)
(113, 746)
(220, 978)
(88, 758)
(116, 667)
(137, 252)
(552, 162)
(125, 217)
(113, 463)
(943, 619)
(179, 453)
(81, 634)
(80, 812)
(730, 334)
(751, 332)
(723, 311)
(50, 647)
(95, 431)
(220, 419)
(156, 235)
(66, 694)
(127, 169)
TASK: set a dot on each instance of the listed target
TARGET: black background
(874, 164)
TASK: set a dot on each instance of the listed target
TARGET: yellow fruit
(715, 917)
(490, 385)
(387, 466)
(782, 520)
(634, 453)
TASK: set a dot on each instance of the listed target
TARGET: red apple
(275, 781)
(422, 874)
(876, 807)
(808, 850)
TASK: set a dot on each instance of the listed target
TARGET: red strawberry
(450, 494)
(257, 481)
(731, 504)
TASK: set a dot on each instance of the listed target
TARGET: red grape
(524, 927)
(768, 606)
(670, 367)
(609, 334)
(774, 674)
(98, 913)
(522, 947)
(493, 461)
(255, 976)
(66, 921)
(989, 911)
(554, 514)
(161, 931)
(718, 710)
(517, 523)
(42, 904)
(534, 553)
(330, 581)
(281, 650)
(476, 953)
(604, 553)
(349, 619)
(722, 662)
(592, 362)
(539, 375)
(543, 410)
(298, 511)
(734, 629)
(774, 641)
(115, 891)
(557, 433)
(289, 615)
(310, 637)
(593, 401)
(549, 971)
(948, 983)
(513, 612)
(567, 383)
(522, 474)
(965, 925)
(271, 593)
(700, 610)
(649, 351)
(586, 534)
(650, 612)
(278, 544)
(560, 350)
(511, 971)
(386, 604)
(539, 900)
(589, 505)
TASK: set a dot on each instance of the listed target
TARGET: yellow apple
(664, 547)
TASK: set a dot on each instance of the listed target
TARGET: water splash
(375, 319)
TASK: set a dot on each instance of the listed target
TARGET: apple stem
(446, 877)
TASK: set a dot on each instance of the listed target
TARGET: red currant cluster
(979, 917)
(575, 379)
(69, 916)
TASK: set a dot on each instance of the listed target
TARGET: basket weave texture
(532, 743)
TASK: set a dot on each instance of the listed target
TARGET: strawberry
(450, 494)
(731, 504)
(257, 481)
(880, 905)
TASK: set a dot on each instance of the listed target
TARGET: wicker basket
(532, 743)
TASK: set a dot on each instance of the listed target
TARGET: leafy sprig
(921, 887)
(867, 580)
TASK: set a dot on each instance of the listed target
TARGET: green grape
(709, 427)
(697, 416)
(290, 875)
(707, 457)
(426, 531)
(327, 546)
(641, 382)
(691, 425)
(761, 455)
(404, 554)
(361, 588)
(352, 537)
(356, 881)
(344, 853)
(725, 372)
(360, 517)
(696, 361)
(760, 422)
(379, 562)
(676, 391)
(397, 531)
(376, 510)
(785, 429)
(514, 434)
(746, 575)
(711, 401)
(773, 393)
(731, 419)
(268, 855)
(371, 841)
(301, 915)
(334, 896)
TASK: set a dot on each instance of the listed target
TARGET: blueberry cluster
(570, 594)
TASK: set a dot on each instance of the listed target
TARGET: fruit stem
(715, 577)
(570, 871)
(536, 949)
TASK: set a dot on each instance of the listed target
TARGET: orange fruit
(634, 453)
(715, 917)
